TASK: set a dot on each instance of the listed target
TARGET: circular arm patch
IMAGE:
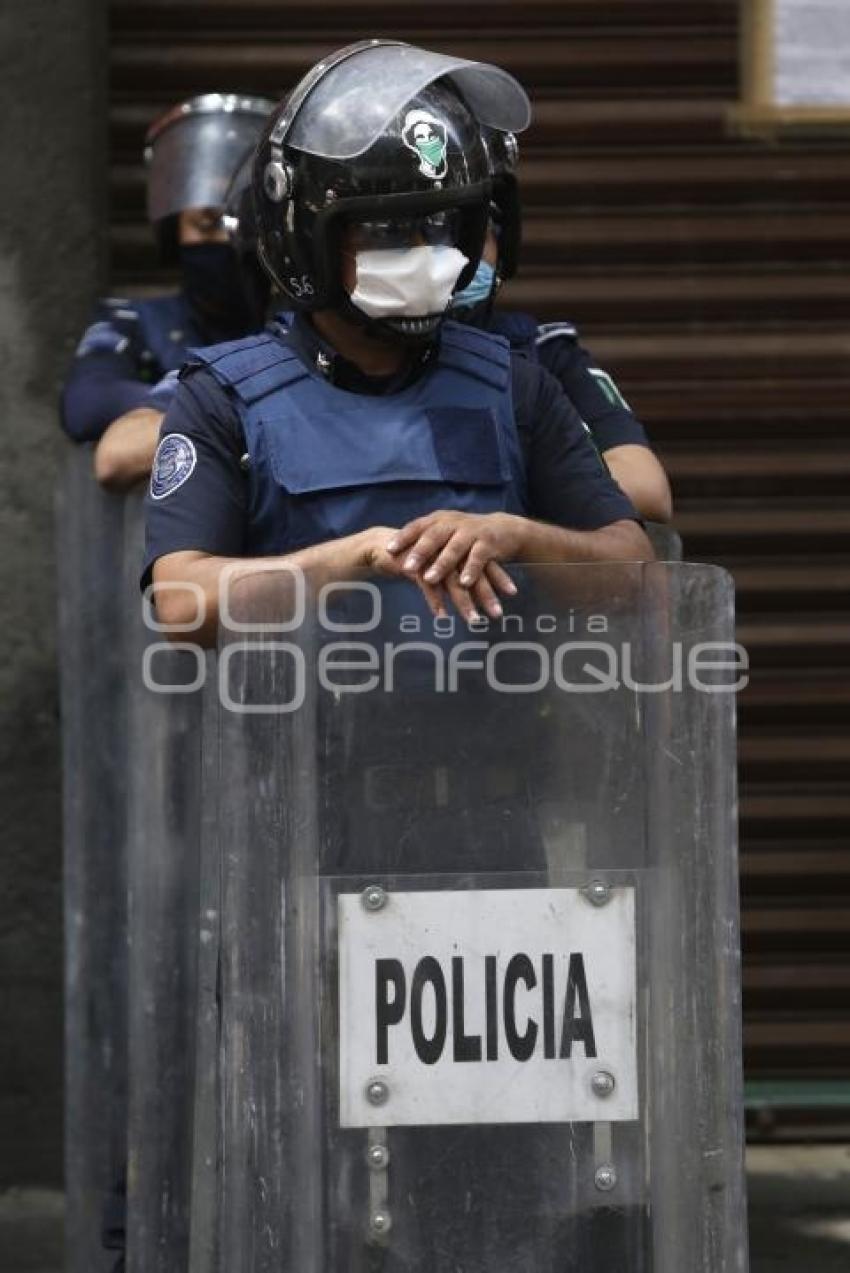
(173, 464)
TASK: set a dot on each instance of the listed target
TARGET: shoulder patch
(173, 464)
(609, 388)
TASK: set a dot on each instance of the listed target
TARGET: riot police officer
(369, 432)
(617, 432)
(191, 153)
(240, 225)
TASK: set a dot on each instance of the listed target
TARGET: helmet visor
(436, 229)
(356, 99)
(193, 161)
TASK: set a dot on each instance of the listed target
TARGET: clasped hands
(450, 554)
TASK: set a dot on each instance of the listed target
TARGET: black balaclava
(215, 287)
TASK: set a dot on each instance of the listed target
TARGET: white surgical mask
(406, 282)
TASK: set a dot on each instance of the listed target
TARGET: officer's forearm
(95, 396)
(124, 455)
(619, 541)
(257, 589)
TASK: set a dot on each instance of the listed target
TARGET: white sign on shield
(489, 1006)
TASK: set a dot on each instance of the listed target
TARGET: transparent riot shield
(666, 542)
(205, 1149)
(479, 928)
(134, 710)
(94, 745)
(167, 928)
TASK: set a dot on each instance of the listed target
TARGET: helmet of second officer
(192, 152)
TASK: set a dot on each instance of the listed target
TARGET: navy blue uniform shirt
(127, 347)
(590, 389)
(108, 376)
(567, 483)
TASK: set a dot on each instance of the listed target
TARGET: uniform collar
(321, 356)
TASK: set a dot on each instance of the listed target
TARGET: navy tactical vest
(324, 462)
(520, 330)
(166, 330)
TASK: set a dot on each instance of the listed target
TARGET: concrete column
(52, 265)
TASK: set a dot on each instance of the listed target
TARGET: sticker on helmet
(426, 137)
(174, 463)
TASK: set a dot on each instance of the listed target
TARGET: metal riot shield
(94, 744)
(480, 968)
(166, 927)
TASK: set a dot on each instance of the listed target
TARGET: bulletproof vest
(323, 462)
(520, 330)
(166, 330)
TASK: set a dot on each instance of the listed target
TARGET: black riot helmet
(379, 132)
(191, 153)
(503, 154)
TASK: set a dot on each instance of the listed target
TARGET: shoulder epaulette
(556, 331)
(253, 367)
(121, 307)
(478, 352)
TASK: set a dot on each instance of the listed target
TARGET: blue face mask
(478, 290)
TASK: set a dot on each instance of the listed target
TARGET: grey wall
(52, 148)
